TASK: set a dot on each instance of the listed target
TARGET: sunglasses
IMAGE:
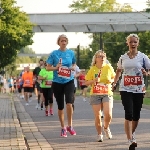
(100, 56)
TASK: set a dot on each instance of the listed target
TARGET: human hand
(72, 68)
(144, 72)
(58, 65)
(114, 86)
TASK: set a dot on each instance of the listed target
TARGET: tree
(15, 32)
(98, 6)
(148, 4)
(116, 45)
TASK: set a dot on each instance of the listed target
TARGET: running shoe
(84, 99)
(107, 133)
(63, 132)
(134, 139)
(71, 130)
(27, 104)
(100, 138)
(132, 145)
(51, 112)
(46, 112)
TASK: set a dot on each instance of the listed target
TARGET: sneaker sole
(132, 146)
(63, 136)
(100, 141)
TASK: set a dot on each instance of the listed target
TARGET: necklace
(132, 55)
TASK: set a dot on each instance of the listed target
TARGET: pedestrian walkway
(11, 135)
(26, 128)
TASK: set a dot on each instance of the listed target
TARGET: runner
(47, 78)
(100, 76)
(132, 85)
(76, 74)
(62, 61)
(21, 83)
(82, 84)
(38, 92)
(27, 78)
(11, 84)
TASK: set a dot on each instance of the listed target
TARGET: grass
(116, 96)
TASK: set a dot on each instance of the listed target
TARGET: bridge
(91, 22)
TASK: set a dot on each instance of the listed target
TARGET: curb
(34, 139)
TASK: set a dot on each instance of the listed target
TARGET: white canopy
(91, 22)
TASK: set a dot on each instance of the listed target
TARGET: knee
(108, 116)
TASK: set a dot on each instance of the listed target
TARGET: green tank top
(46, 83)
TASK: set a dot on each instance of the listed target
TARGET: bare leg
(134, 125)
(97, 115)
(61, 117)
(69, 110)
(128, 129)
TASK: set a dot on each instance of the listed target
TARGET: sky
(46, 42)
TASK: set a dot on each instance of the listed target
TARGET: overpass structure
(91, 22)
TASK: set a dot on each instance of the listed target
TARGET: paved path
(43, 132)
(11, 135)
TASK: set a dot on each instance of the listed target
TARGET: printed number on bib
(132, 80)
(64, 72)
(27, 82)
(100, 89)
(48, 82)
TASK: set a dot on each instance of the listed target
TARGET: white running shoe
(107, 133)
(132, 145)
(100, 138)
(30, 100)
(27, 104)
(84, 99)
(37, 106)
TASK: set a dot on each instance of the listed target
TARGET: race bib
(64, 72)
(100, 89)
(27, 82)
(48, 82)
(132, 80)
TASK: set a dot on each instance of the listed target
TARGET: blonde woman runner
(132, 85)
(100, 77)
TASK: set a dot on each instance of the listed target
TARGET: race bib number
(132, 80)
(27, 82)
(64, 72)
(100, 89)
(48, 82)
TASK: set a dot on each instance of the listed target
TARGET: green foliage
(11, 68)
(15, 32)
(98, 6)
(114, 44)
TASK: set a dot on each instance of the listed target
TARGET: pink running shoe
(71, 130)
(46, 112)
(51, 112)
(63, 132)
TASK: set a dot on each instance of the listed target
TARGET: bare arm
(41, 78)
(118, 74)
(90, 82)
(51, 68)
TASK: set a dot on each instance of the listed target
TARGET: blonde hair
(60, 36)
(132, 35)
(94, 57)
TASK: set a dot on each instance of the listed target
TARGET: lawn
(117, 96)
